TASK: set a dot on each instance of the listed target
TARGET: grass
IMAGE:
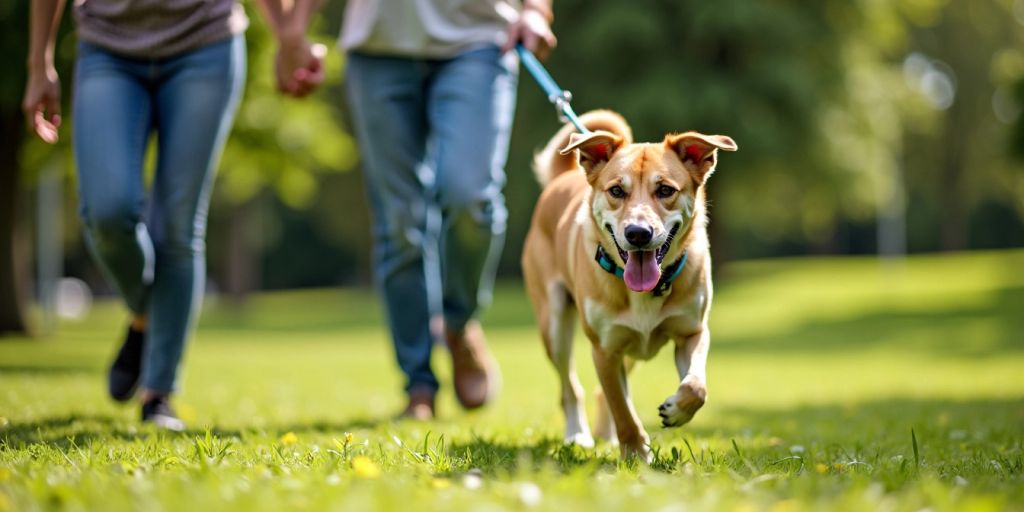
(835, 384)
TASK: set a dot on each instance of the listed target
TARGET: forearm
(288, 19)
(541, 6)
(297, 20)
(44, 18)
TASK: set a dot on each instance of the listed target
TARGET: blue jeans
(152, 249)
(434, 139)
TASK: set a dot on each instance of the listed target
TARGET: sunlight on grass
(819, 371)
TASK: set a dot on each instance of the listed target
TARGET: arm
(533, 28)
(41, 103)
(298, 64)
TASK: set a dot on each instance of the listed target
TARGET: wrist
(39, 62)
(289, 38)
(541, 7)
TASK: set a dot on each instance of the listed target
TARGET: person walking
(431, 88)
(176, 68)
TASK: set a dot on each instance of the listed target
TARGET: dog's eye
(665, 192)
(617, 192)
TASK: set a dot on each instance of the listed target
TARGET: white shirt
(425, 28)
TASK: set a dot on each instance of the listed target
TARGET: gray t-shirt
(425, 28)
(157, 28)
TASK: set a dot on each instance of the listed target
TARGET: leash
(558, 97)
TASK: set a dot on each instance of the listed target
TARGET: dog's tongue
(642, 272)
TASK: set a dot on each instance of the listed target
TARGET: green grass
(835, 384)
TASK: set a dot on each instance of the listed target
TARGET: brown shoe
(474, 371)
(421, 405)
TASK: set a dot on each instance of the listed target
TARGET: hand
(299, 66)
(41, 103)
(533, 30)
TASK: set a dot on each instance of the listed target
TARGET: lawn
(834, 384)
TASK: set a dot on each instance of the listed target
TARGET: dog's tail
(548, 163)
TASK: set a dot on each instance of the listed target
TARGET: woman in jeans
(175, 68)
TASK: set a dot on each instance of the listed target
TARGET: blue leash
(558, 97)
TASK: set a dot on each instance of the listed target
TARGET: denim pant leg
(112, 118)
(196, 97)
(387, 101)
(471, 105)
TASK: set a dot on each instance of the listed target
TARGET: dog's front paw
(581, 439)
(638, 449)
(679, 408)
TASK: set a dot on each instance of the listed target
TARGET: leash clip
(561, 103)
(559, 97)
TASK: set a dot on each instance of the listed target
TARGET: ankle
(138, 323)
(149, 395)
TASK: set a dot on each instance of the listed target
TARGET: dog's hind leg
(558, 337)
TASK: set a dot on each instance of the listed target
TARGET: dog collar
(667, 276)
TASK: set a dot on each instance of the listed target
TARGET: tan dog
(618, 238)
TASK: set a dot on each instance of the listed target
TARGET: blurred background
(866, 127)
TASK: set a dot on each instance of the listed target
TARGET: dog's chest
(640, 330)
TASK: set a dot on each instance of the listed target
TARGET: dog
(618, 238)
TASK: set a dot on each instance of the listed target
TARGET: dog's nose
(638, 235)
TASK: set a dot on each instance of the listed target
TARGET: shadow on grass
(982, 436)
(17, 370)
(64, 432)
(952, 434)
(1001, 322)
(503, 456)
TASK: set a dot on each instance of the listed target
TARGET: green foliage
(13, 42)
(281, 143)
(836, 384)
(815, 95)
(960, 158)
(830, 130)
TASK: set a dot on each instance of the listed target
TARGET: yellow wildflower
(289, 438)
(820, 468)
(364, 467)
(784, 506)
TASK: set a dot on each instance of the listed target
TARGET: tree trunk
(12, 262)
(242, 259)
(953, 184)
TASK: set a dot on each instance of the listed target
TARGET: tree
(278, 145)
(831, 134)
(14, 257)
(774, 76)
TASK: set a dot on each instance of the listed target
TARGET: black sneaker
(123, 377)
(158, 412)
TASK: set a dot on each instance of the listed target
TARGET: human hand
(299, 66)
(41, 103)
(533, 30)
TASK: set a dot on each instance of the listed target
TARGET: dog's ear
(594, 147)
(699, 152)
